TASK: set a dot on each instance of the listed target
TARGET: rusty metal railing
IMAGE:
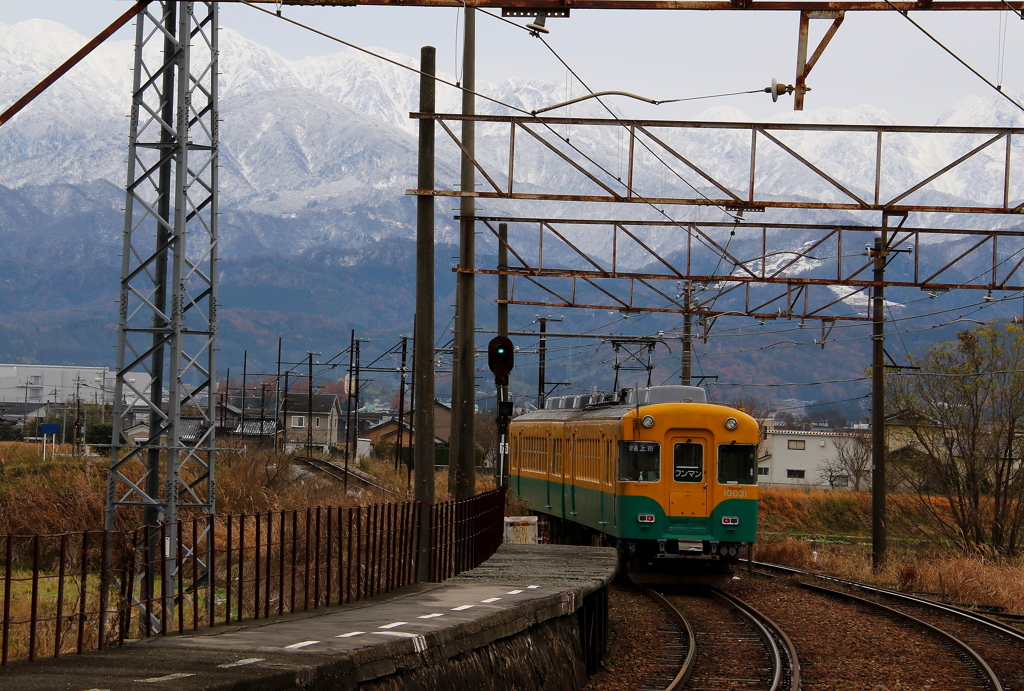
(73, 592)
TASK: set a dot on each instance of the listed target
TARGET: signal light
(500, 358)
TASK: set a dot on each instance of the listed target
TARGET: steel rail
(691, 639)
(925, 626)
(981, 620)
(770, 632)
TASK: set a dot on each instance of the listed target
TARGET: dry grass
(953, 577)
(68, 494)
(65, 494)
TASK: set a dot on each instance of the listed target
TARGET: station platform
(409, 638)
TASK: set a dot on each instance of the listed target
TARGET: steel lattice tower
(168, 302)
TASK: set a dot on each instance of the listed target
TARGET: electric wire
(555, 53)
(458, 86)
(979, 75)
(354, 46)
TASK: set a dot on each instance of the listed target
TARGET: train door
(572, 479)
(549, 454)
(688, 488)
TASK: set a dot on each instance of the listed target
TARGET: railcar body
(659, 471)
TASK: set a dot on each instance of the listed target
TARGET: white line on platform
(490, 599)
(302, 644)
(400, 634)
(430, 616)
(393, 625)
(239, 663)
(168, 677)
(460, 608)
(350, 634)
(532, 587)
(513, 592)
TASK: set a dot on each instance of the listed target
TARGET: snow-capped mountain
(319, 151)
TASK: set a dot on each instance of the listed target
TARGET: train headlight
(645, 518)
(647, 421)
(730, 520)
(731, 423)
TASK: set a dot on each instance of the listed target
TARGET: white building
(789, 458)
(58, 384)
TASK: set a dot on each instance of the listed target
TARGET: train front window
(639, 461)
(737, 464)
(688, 462)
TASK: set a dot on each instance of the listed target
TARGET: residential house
(798, 458)
(387, 432)
(19, 413)
(318, 427)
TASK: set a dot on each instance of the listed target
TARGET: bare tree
(964, 412)
(851, 466)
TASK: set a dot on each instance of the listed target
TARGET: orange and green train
(658, 470)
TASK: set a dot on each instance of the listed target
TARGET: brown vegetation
(966, 579)
(68, 494)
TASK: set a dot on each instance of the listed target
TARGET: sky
(876, 58)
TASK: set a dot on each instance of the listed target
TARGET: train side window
(639, 461)
(737, 464)
(688, 462)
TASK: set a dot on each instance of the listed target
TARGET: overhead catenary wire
(514, 108)
(940, 44)
(457, 85)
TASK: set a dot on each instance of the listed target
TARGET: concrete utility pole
(401, 404)
(463, 438)
(878, 535)
(277, 391)
(309, 408)
(284, 415)
(686, 376)
(78, 414)
(245, 370)
(423, 341)
(348, 402)
(542, 361)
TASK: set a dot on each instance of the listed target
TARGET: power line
(906, 14)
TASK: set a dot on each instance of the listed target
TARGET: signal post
(500, 360)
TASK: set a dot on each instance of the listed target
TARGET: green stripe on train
(618, 516)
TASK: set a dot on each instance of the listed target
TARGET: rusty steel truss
(743, 189)
(834, 11)
(808, 270)
(771, 280)
(739, 5)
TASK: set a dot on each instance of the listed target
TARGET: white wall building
(794, 458)
(57, 384)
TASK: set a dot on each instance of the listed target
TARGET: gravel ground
(841, 646)
(633, 640)
(844, 647)
(729, 653)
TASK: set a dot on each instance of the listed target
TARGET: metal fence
(73, 592)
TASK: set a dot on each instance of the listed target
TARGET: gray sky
(876, 58)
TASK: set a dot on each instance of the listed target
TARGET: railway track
(733, 646)
(992, 648)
